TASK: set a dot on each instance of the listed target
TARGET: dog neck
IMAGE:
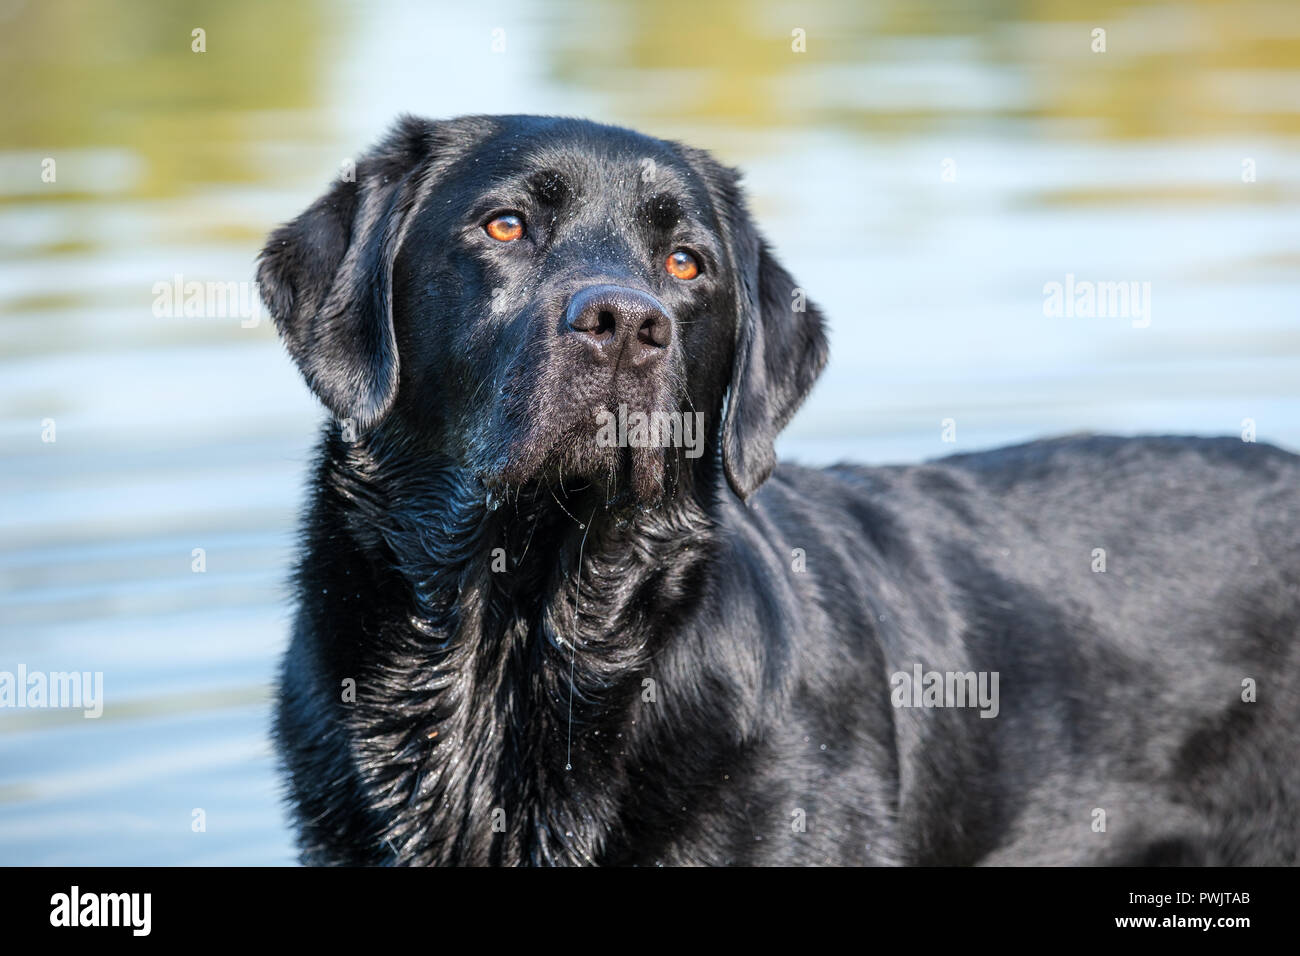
(519, 662)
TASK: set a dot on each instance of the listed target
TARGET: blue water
(181, 433)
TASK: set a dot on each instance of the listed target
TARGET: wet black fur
(501, 717)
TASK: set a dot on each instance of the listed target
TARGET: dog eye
(682, 265)
(505, 228)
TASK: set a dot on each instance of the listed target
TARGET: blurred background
(924, 169)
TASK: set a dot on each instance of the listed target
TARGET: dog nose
(615, 319)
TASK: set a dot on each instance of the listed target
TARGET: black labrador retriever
(557, 603)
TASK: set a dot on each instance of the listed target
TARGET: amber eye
(505, 228)
(682, 265)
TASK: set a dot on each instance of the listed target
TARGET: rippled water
(924, 169)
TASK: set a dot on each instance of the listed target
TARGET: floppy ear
(326, 278)
(780, 347)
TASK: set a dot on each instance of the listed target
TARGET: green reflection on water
(120, 73)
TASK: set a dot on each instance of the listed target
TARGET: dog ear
(780, 345)
(326, 277)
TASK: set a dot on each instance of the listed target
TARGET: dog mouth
(625, 453)
(620, 432)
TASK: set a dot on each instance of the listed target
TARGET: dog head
(547, 300)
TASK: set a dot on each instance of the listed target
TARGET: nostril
(655, 330)
(605, 325)
(595, 322)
